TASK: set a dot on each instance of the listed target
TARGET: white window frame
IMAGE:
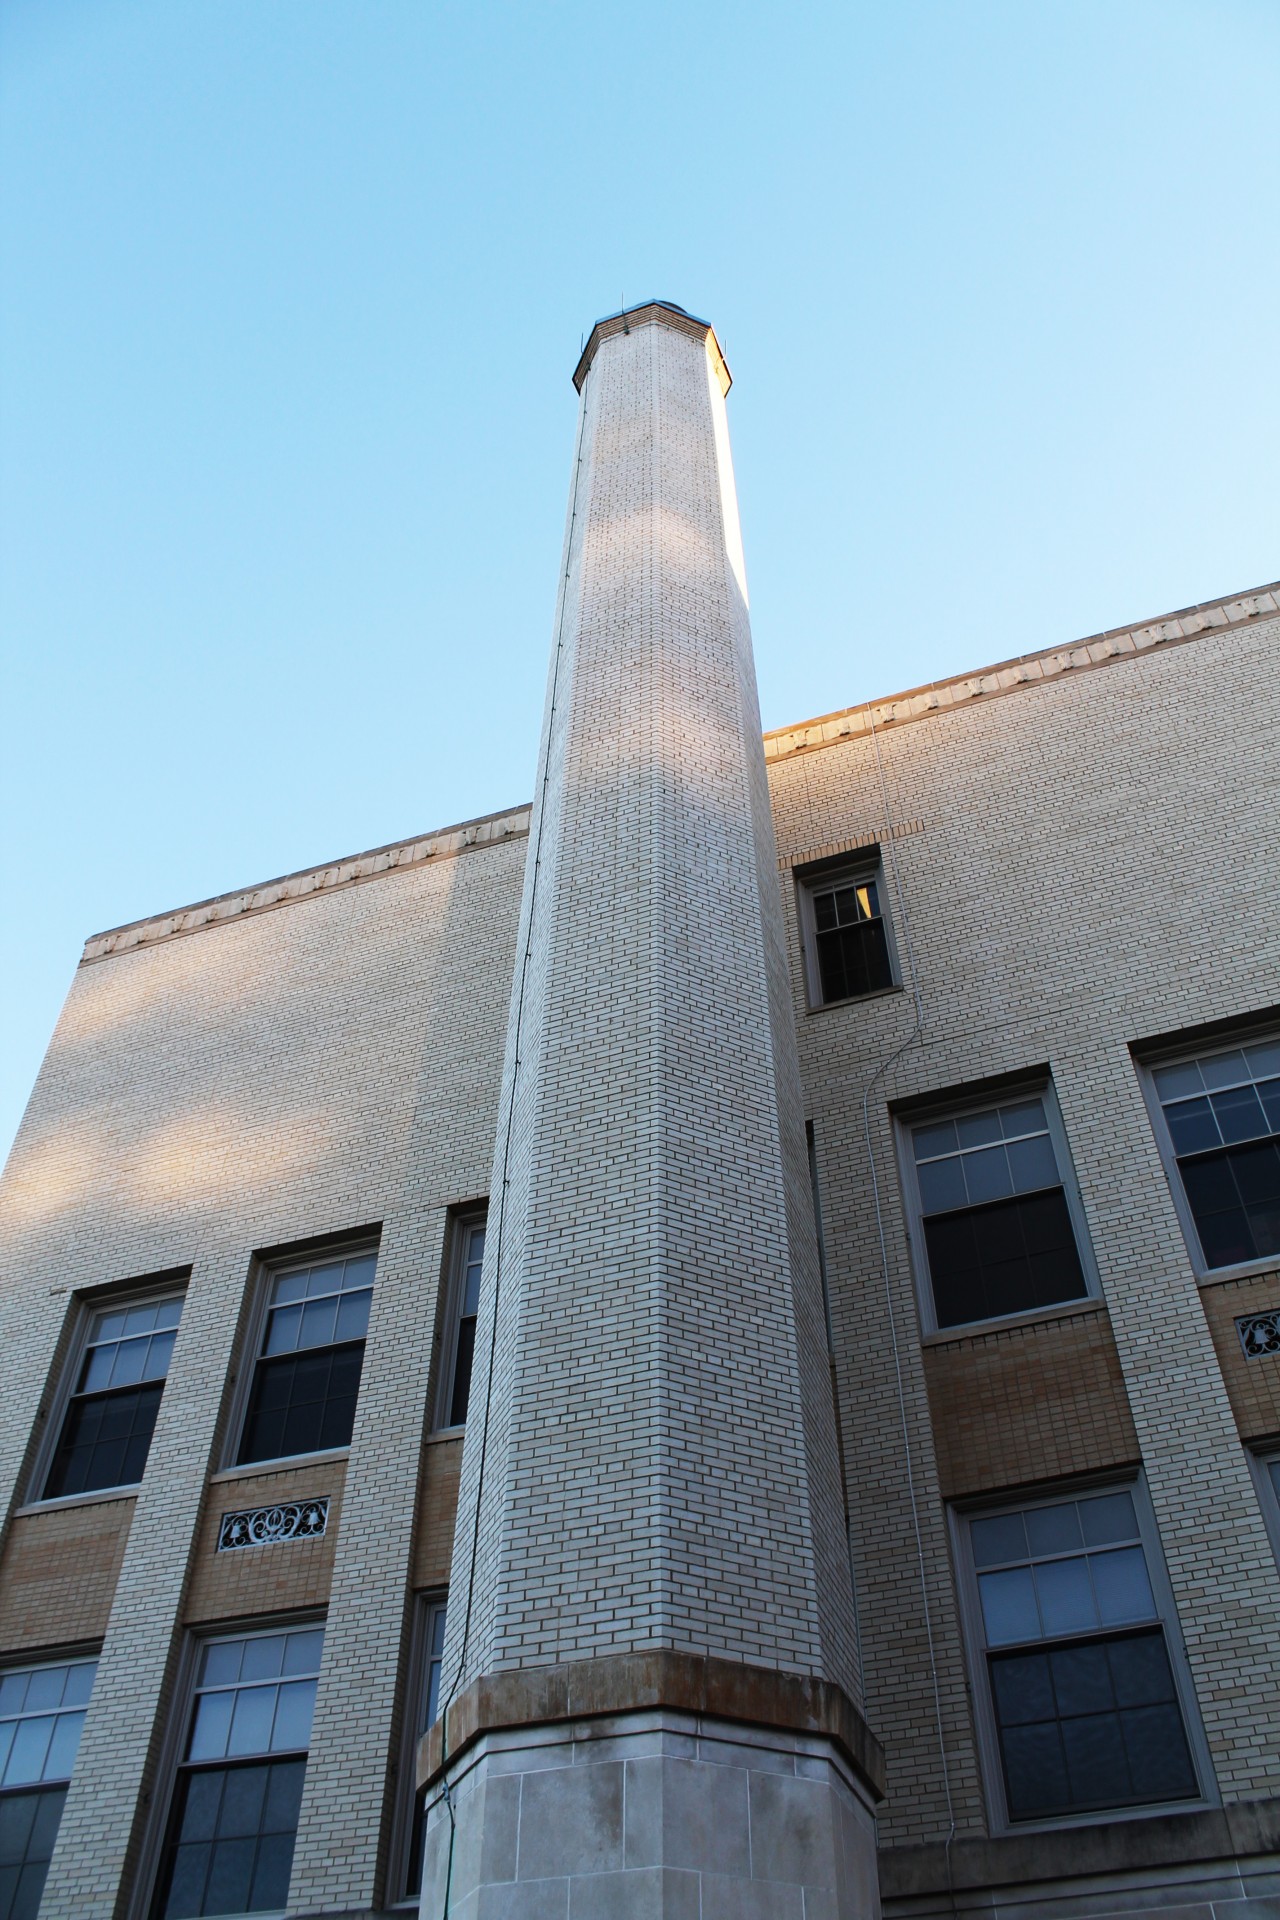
(462, 1224)
(1261, 1461)
(819, 878)
(960, 1515)
(1147, 1064)
(85, 1310)
(151, 1858)
(266, 1268)
(427, 1609)
(1038, 1087)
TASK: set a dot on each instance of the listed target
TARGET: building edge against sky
(982, 988)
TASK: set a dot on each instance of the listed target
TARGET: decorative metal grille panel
(267, 1526)
(1259, 1334)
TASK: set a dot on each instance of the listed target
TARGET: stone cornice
(1029, 669)
(653, 313)
(612, 1684)
(829, 730)
(445, 844)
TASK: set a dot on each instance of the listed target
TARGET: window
(996, 1224)
(111, 1414)
(1082, 1697)
(303, 1396)
(235, 1807)
(845, 937)
(1220, 1118)
(425, 1691)
(462, 1303)
(1266, 1472)
(41, 1713)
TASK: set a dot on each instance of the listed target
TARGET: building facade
(709, 1346)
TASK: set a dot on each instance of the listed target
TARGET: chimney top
(651, 313)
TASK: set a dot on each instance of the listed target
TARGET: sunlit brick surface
(660, 1467)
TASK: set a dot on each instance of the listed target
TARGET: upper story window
(307, 1377)
(119, 1372)
(235, 1808)
(42, 1712)
(461, 1306)
(1081, 1694)
(846, 940)
(1218, 1115)
(998, 1232)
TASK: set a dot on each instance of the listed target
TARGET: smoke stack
(650, 1571)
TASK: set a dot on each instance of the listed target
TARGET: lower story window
(41, 1714)
(235, 1808)
(427, 1706)
(1083, 1696)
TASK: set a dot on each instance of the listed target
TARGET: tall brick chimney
(650, 1683)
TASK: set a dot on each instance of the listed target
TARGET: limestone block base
(654, 1814)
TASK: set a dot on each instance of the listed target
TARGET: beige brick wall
(1029, 1403)
(1095, 865)
(58, 1574)
(1084, 863)
(247, 1581)
(1253, 1386)
(437, 1508)
(322, 1066)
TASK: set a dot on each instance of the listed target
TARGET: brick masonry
(1034, 1402)
(1080, 853)
(58, 1574)
(1056, 908)
(1253, 1386)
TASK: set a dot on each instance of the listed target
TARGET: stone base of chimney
(652, 1812)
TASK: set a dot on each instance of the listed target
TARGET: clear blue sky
(290, 295)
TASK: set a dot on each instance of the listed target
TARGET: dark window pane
(1003, 1258)
(1140, 1672)
(1239, 1114)
(1097, 1766)
(1035, 1771)
(271, 1874)
(1106, 1733)
(1108, 1517)
(188, 1871)
(302, 1403)
(462, 1371)
(28, 1829)
(284, 1796)
(1053, 1529)
(1192, 1127)
(1159, 1760)
(1023, 1690)
(104, 1440)
(242, 1800)
(853, 959)
(244, 1866)
(1082, 1679)
(1235, 1199)
(230, 1876)
(200, 1814)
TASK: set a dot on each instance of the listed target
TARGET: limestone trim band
(827, 730)
(1029, 669)
(1155, 1844)
(639, 1682)
(445, 844)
